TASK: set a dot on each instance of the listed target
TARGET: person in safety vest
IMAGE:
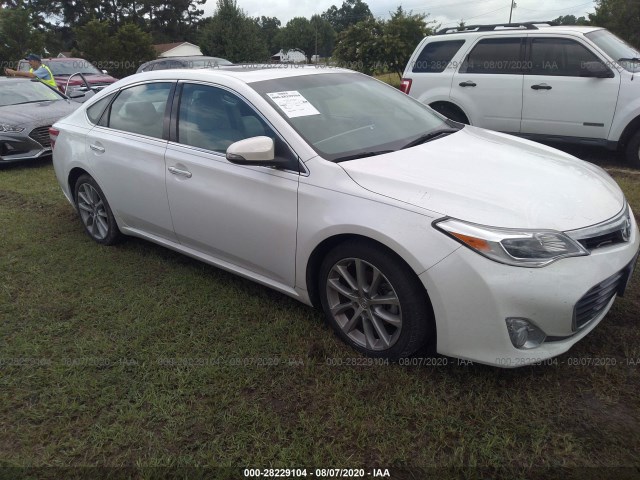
(38, 70)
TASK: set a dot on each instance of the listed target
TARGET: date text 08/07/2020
(316, 472)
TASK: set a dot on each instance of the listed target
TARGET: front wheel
(374, 302)
(633, 151)
(94, 211)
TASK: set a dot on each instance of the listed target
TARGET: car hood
(493, 179)
(41, 113)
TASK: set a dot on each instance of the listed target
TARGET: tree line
(120, 35)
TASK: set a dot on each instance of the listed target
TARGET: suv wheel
(633, 151)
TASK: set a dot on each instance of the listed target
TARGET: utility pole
(513, 5)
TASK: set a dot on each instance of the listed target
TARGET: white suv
(553, 83)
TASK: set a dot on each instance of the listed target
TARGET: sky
(445, 12)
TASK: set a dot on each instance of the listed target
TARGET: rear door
(488, 85)
(558, 99)
(126, 150)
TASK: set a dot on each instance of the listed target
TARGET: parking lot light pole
(513, 5)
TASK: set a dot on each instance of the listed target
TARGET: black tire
(633, 151)
(378, 330)
(451, 112)
(94, 211)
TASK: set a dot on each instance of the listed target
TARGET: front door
(244, 216)
(558, 99)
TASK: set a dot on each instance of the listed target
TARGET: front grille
(599, 241)
(41, 135)
(596, 299)
(612, 232)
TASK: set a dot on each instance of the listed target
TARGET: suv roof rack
(489, 28)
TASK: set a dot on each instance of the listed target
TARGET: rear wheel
(375, 302)
(94, 211)
(633, 151)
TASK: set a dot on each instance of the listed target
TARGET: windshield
(25, 91)
(346, 115)
(69, 67)
(624, 54)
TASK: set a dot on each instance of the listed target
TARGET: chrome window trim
(303, 170)
(116, 94)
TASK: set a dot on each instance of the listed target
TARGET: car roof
(64, 59)
(185, 57)
(558, 29)
(246, 73)
(15, 79)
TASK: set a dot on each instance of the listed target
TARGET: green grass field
(137, 356)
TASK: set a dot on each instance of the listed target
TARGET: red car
(75, 76)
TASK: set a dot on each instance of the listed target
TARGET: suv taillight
(405, 85)
(53, 135)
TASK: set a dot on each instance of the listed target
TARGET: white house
(294, 55)
(178, 49)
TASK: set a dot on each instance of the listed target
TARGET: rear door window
(496, 56)
(141, 109)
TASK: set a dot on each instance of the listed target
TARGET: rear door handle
(179, 172)
(468, 83)
(96, 148)
(542, 86)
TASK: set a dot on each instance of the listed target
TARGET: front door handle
(542, 86)
(179, 172)
(468, 83)
(96, 148)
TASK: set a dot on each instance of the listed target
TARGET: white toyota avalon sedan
(413, 233)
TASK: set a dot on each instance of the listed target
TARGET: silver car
(27, 109)
(412, 232)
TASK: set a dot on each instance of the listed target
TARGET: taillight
(53, 135)
(405, 85)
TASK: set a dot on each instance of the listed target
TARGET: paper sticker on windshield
(293, 104)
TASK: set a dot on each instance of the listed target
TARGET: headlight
(521, 248)
(10, 128)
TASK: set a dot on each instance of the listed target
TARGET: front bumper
(473, 296)
(20, 147)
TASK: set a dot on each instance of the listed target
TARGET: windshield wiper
(430, 136)
(634, 59)
(361, 155)
(35, 101)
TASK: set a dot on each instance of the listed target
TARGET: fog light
(524, 334)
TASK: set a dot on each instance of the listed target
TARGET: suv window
(495, 55)
(560, 57)
(435, 56)
(140, 109)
